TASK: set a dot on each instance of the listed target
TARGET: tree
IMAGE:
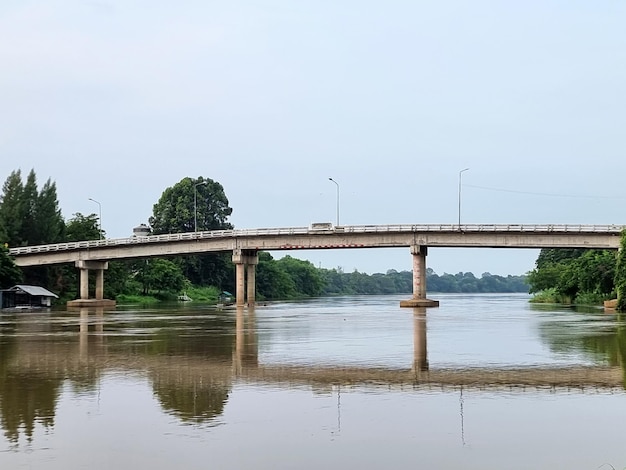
(11, 208)
(50, 223)
(305, 276)
(189, 200)
(272, 282)
(177, 210)
(82, 227)
(29, 230)
(574, 274)
(29, 217)
(161, 275)
(10, 274)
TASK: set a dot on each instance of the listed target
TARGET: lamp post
(337, 199)
(99, 217)
(460, 176)
(195, 205)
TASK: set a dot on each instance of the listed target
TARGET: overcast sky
(118, 100)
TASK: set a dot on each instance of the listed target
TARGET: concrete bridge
(244, 244)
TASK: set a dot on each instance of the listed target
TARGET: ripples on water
(483, 381)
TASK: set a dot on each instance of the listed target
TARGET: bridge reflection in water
(193, 376)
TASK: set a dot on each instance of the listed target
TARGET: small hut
(23, 296)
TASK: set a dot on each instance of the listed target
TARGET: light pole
(195, 205)
(337, 198)
(460, 176)
(99, 217)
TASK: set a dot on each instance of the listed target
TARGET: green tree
(160, 276)
(189, 200)
(574, 274)
(272, 282)
(10, 274)
(11, 209)
(50, 224)
(29, 229)
(177, 210)
(82, 227)
(305, 276)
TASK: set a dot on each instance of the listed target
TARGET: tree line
(31, 216)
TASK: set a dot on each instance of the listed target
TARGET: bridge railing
(417, 228)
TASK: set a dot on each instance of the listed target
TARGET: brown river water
(484, 381)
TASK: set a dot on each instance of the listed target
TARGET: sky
(118, 100)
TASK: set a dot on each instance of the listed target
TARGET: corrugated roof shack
(22, 296)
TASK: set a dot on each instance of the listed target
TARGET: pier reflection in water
(357, 379)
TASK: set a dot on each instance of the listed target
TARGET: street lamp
(337, 198)
(195, 205)
(99, 217)
(460, 176)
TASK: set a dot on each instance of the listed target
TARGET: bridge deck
(356, 236)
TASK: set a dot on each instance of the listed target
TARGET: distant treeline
(394, 282)
(288, 277)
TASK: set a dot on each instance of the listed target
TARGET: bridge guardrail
(451, 228)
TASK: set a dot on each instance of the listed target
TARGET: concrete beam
(155, 247)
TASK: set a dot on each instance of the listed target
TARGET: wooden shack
(23, 296)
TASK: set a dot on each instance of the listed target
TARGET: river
(484, 381)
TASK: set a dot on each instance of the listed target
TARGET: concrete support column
(84, 284)
(99, 300)
(240, 277)
(252, 259)
(99, 284)
(240, 283)
(245, 263)
(419, 271)
(419, 280)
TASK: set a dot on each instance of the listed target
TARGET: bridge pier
(245, 267)
(99, 300)
(419, 299)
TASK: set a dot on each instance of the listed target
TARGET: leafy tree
(119, 279)
(178, 209)
(161, 275)
(272, 282)
(572, 274)
(552, 256)
(189, 200)
(10, 274)
(305, 276)
(82, 227)
(596, 271)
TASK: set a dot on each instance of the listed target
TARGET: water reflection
(26, 397)
(420, 346)
(596, 335)
(246, 343)
(194, 359)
